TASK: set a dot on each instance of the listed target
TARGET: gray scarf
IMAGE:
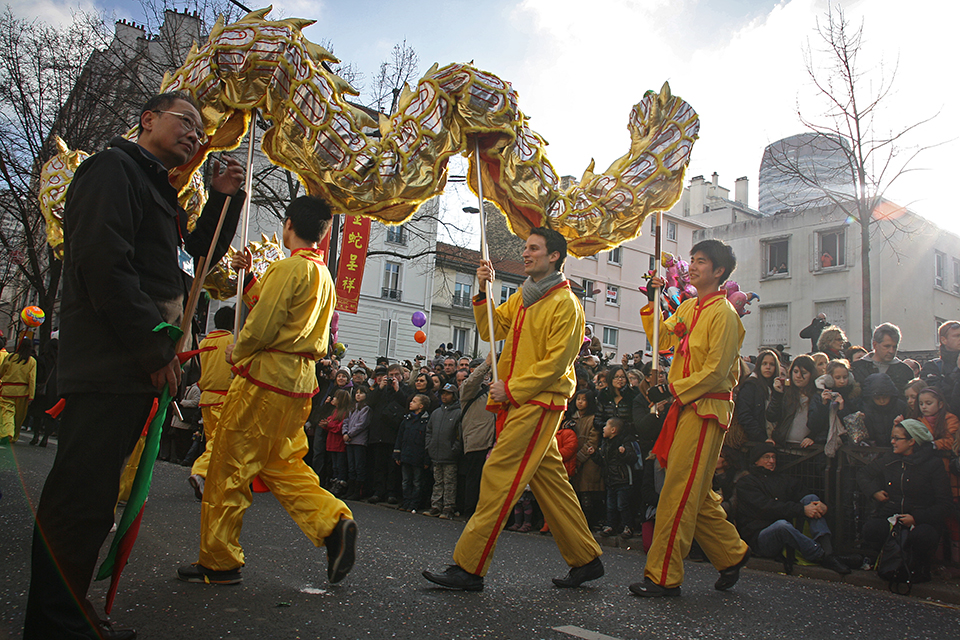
(533, 291)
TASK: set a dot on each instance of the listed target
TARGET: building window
(397, 234)
(652, 263)
(388, 338)
(463, 294)
(653, 224)
(391, 281)
(956, 275)
(835, 311)
(613, 294)
(610, 336)
(615, 256)
(940, 269)
(775, 326)
(461, 338)
(507, 290)
(831, 249)
(589, 286)
(776, 257)
(671, 230)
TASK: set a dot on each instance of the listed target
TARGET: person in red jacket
(568, 443)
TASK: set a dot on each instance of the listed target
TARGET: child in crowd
(820, 360)
(619, 456)
(910, 393)
(523, 513)
(343, 403)
(881, 406)
(568, 444)
(933, 413)
(838, 385)
(444, 447)
(410, 451)
(588, 480)
(355, 436)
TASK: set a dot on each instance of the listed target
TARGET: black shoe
(833, 563)
(43, 442)
(200, 574)
(852, 560)
(729, 576)
(578, 575)
(107, 632)
(392, 500)
(456, 578)
(34, 441)
(341, 550)
(374, 499)
(650, 589)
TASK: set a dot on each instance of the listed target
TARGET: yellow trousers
(688, 506)
(526, 453)
(13, 411)
(260, 433)
(211, 418)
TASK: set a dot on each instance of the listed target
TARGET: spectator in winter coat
(838, 385)
(795, 408)
(410, 452)
(883, 358)
(753, 396)
(618, 455)
(909, 482)
(831, 342)
(388, 402)
(812, 331)
(478, 427)
(355, 429)
(882, 404)
(942, 372)
(772, 509)
(444, 447)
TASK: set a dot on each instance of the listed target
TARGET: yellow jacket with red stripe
(711, 364)
(215, 374)
(288, 326)
(541, 345)
(18, 379)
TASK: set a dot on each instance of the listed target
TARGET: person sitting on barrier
(772, 509)
(909, 483)
(799, 418)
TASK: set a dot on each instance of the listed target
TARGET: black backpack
(895, 562)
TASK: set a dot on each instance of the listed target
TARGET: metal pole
(485, 255)
(245, 224)
(658, 256)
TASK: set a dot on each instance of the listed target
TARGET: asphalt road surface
(285, 594)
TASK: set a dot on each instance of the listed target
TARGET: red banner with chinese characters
(353, 254)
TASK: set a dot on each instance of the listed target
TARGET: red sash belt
(308, 356)
(662, 447)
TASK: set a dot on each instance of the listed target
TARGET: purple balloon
(419, 319)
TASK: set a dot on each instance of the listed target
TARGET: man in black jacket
(769, 504)
(388, 397)
(128, 261)
(883, 358)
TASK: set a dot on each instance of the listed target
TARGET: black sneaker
(578, 575)
(455, 578)
(341, 547)
(730, 575)
(198, 573)
(831, 562)
(650, 589)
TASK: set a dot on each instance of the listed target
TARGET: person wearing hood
(883, 358)
(444, 446)
(881, 406)
(911, 485)
(772, 509)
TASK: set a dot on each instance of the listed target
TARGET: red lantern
(420, 337)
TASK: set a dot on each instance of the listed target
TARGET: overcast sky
(579, 66)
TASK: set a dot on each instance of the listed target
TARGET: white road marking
(586, 634)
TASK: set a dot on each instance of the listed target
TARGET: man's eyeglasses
(188, 123)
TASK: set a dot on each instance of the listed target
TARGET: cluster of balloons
(338, 347)
(678, 288)
(419, 319)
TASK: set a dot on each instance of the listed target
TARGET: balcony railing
(391, 294)
(462, 300)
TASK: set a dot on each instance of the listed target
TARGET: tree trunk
(866, 218)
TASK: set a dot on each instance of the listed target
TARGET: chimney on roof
(741, 191)
(716, 179)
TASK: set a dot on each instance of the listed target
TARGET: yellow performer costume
(17, 385)
(261, 425)
(214, 383)
(706, 336)
(541, 344)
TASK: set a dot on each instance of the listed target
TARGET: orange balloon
(420, 337)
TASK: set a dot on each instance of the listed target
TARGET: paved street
(285, 594)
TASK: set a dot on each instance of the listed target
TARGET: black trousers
(383, 473)
(922, 540)
(471, 464)
(97, 434)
